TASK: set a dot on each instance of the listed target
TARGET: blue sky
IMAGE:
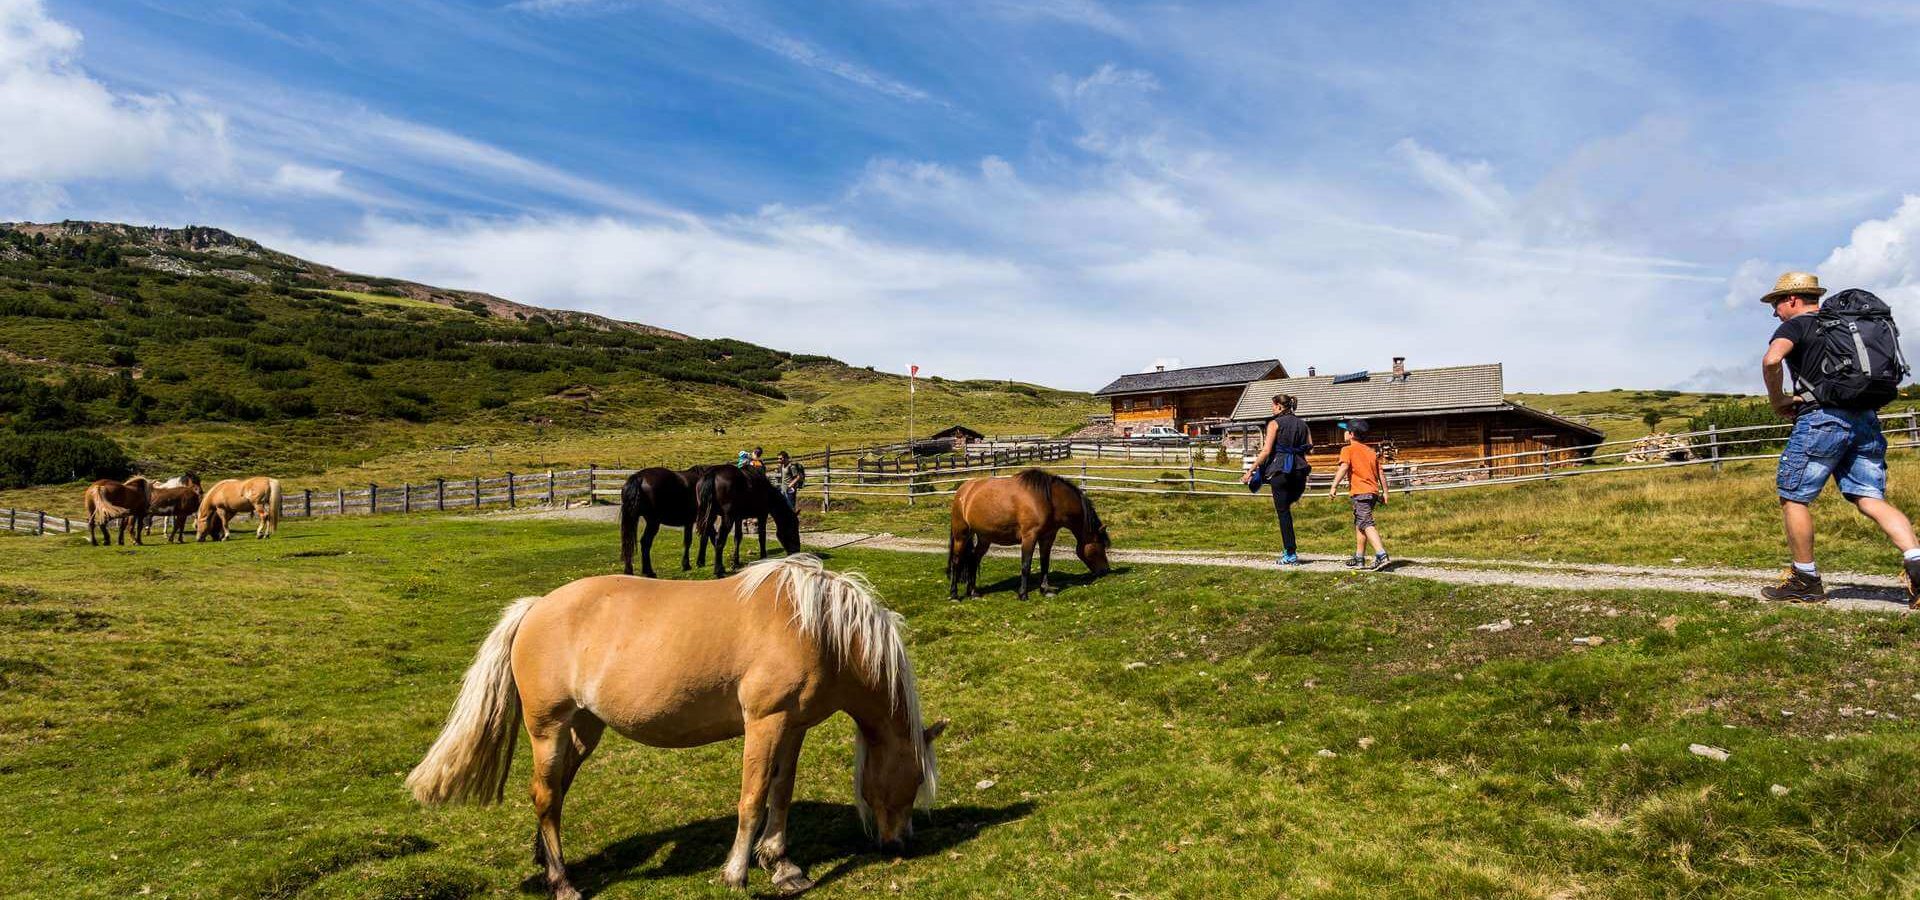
(1053, 190)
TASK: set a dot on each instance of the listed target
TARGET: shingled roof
(1187, 379)
(1449, 389)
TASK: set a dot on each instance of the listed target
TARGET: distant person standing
(1846, 364)
(756, 462)
(1366, 488)
(791, 476)
(1282, 463)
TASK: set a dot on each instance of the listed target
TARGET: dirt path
(1878, 593)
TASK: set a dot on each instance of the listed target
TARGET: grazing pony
(107, 500)
(769, 653)
(662, 497)
(730, 496)
(1028, 509)
(226, 499)
(174, 500)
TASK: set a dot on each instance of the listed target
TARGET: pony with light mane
(233, 496)
(107, 500)
(769, 653)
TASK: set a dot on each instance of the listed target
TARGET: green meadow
(234, 720)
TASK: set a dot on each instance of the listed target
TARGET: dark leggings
(1286, 490)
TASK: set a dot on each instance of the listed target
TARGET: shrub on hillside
(1741, 414)
(269, 359)
(59, 457)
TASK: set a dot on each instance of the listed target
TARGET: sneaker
(1380, 561)
(1911, 569)
(1290, 559)
(1797, 587)
(1355, 561)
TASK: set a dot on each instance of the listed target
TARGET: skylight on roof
(1350, 377)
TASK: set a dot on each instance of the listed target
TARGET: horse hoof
(796, 885)
(566, 892)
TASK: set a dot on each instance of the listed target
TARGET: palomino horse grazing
(175, 500)
(226, 499)
(730, 496)
(769, 653)
(1028, 509)
(107, 500)
(662, 497)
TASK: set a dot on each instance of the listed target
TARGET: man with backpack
(1846, 363)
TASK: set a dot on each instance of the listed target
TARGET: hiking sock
(1911, 555)
(1808, 569)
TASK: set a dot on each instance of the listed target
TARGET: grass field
(390, 300)
(234, 720)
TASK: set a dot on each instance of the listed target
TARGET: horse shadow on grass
(819, 832)
(1061, 581)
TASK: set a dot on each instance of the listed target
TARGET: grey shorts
(1363, 510)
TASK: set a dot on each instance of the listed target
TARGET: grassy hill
(198, 350)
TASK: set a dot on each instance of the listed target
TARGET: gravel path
(1851, 591)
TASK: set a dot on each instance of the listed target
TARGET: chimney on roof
(1311, 372)
(1399, 368)
(1159, 368)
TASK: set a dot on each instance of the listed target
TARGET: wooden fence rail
(38, 521)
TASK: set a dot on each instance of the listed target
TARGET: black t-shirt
(1291, 433)
(1797, 329)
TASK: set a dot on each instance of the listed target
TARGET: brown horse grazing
(107, 500)
(769, 653)
(226, 499)
(1028, 509)
(728, 497)
(662, 497)
(175, 500)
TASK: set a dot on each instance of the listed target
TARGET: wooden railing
(37, 521)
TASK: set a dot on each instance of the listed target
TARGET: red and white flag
(913, 372)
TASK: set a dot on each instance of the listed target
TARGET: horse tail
(471, 758)
(630, 500)
(273, 505)
(97, 503)
(705, 500)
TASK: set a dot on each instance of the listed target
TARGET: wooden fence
(38, 521)
(884, 472)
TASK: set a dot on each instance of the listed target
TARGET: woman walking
(1282, 463)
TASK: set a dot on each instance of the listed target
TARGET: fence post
(13, 517)
(476, 492)
(590, 484)
(1912, 439)
(306, 503)
(43, 523)
(373, 498)
(339, 501)
(549, 487)
(1191, 485)
(406, 497)
(440, 494)
(1713, 446)
(826, 481)
(511, 499)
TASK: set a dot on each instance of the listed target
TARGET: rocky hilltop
(197, 250)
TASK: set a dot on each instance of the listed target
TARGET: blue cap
(1357, 426)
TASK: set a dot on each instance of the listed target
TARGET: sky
(1057, 191)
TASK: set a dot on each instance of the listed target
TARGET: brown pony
(107, 500)
(769, 653)
(1028, 509)
(662, 497)
(176, 500)
(226, 499)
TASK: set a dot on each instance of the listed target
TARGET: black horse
(662, 497)
(727, 498)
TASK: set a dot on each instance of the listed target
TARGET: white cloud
(1472, 183)
(58, 124)
(1883, 256)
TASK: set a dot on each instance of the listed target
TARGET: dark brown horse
(175, 502)
(1027, 509)
(728, 498)
(107, 500)
(662, 497)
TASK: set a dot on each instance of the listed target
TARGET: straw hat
(1795, 283)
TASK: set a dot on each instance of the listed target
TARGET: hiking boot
(1380, 561)
(1798, 587)
(1911, 569)
(1290, 559)
(1355, 561)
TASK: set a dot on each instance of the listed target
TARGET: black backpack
(1853, 359)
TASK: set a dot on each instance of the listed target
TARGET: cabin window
(1127, 404)
(1433, 431)
(1159, 401)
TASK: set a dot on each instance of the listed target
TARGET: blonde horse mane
(841, 611)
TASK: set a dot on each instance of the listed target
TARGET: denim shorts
(1845, 445)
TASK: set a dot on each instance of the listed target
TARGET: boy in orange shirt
(1367, 489)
